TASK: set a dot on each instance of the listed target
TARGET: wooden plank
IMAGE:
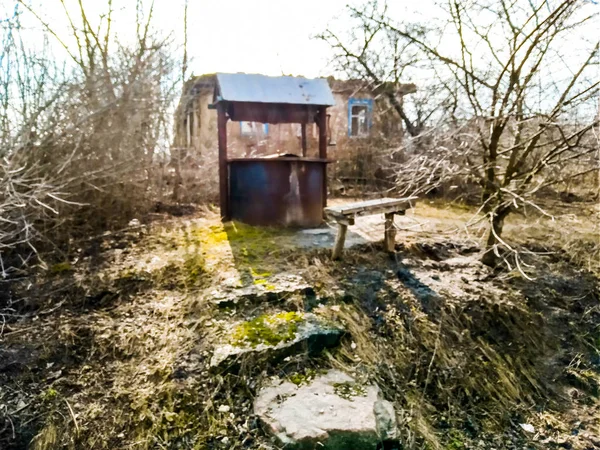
(389, 239)
(397, 206)
(338, 248)
(380, 204)
(223, 170)
(303, 137)
(322, 123)
(346, 220)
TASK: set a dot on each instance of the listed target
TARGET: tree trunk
(490, 258)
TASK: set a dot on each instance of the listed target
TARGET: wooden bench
(344, 215)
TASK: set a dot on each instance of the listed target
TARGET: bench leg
(339, 241)
(389, 241)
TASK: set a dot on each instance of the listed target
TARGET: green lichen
(300, 378)
(347, 390)
(61, 268)
(267, 329)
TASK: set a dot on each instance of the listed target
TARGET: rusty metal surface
(277, 192)
(255, 88)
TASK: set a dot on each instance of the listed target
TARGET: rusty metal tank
(278, 191)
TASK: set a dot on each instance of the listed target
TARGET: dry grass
(123, 362)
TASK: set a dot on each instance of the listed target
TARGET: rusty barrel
(282, 191)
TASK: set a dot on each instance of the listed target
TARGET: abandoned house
(361, 115)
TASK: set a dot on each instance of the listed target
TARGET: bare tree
(79, 141)
(369, 51)
(522, 97)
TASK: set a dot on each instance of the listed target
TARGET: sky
(273, 37)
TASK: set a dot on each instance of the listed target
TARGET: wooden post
(223, 170)
(339, 241)
(304, 144)
(322, 123)
(389, 241)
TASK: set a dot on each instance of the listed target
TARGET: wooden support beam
(223, 169)
(339, 241)
(304, 142)
(389, 240)
(322, 123)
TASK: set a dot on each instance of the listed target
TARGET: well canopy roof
(242, 87)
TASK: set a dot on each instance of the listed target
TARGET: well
(285, 190)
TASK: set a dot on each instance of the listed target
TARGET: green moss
(49, 394)
(259, 275)
(456, 441)
(246, 241)
(348, 390)
(267, 329)
(61, 268)
(300, 378)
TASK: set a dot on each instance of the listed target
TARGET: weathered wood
(370, 207)
(223, 172)
(322, 123)
(339, 218)
(338, 248)
(344, 215)
(389, 240)
(303, 137)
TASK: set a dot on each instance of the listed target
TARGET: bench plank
(368, 207)
(344, 216)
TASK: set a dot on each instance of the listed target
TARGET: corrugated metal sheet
(241, 87)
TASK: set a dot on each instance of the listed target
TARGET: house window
(254, 128)
(360, 111)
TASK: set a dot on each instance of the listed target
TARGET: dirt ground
(110, 347)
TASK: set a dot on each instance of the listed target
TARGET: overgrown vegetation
(107, 330)
(506, 106)
(83, 124)
(465, 355)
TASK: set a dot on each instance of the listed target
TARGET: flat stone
(331, 412)
(312, 335)
(316, 231)
(272, 289)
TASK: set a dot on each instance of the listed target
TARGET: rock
(317, 231)
(331, 412)
(272, 289)
(527, 427)
(276, 336)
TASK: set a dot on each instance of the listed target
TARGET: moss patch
(61, 268)
(300, 378)
(267, 329)
(347, 390)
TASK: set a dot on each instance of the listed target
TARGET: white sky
(260, 36)
(254, 36)
(272, 37)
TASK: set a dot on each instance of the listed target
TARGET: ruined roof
(241, 87)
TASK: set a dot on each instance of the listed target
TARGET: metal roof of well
(242, 87)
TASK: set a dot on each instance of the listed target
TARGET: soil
(110, 348)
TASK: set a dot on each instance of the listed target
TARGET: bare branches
(495, 59)
(79, 146)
